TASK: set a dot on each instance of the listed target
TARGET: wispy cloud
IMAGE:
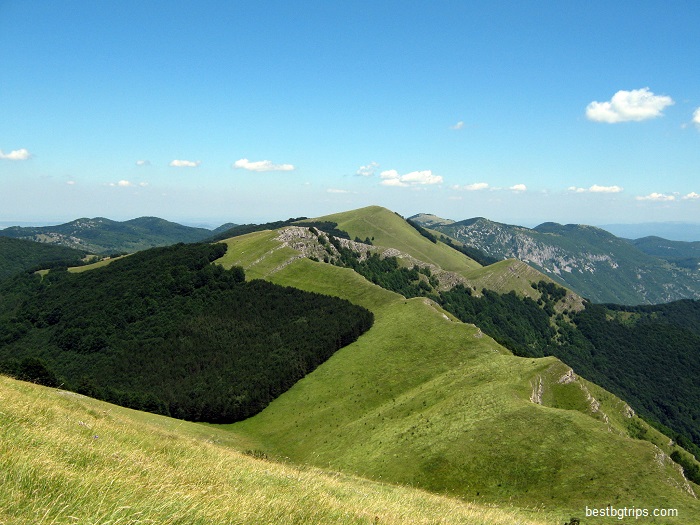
(624, 106)
(696, 117)
(414, 178)
(178, 163)
(691, 196)
(144, 162)
(518, 187)
(477, 186)
(18, 154)
(368, 170)
(458, 126)
(336, 190)
(261, 165)
(659, 197)
(124, 184)
(605, 189)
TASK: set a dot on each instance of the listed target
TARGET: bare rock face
(586, 259)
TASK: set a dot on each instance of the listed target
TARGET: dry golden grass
(67, 459)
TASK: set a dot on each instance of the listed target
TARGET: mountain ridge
(370, 421)
(103, 236)
(589, 260)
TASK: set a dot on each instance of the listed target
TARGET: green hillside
(104, 236)
(680, 253)
(590, 261)
(390, 230)
(17, 255)
(67, 459)
(426, 401)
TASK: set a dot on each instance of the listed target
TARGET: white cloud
(145, 162)
(596, 189)
(518, 187)
(70, 182)
(143, 184)
(635, 105)
(334, 190)
(659, 197)
(414, 178)
(691, 196)
(472, 187)
(18, 154)
(605, 189)
(367, 171)
(177, 163)
(261, 165)
(696, 117)
(458, 126)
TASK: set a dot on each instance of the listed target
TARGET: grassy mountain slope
(100, 235)
(390, 230)
(590, 261)
(429, 220)
(424, 400)
(66, 458)
(17, 255)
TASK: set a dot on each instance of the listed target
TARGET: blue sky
(209, 112)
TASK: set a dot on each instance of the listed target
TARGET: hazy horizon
(671, 230)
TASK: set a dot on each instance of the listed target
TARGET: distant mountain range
(104, 236)
(677, 231)
(589, 260)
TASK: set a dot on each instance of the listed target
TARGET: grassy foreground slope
(66, 459)
(427, 401)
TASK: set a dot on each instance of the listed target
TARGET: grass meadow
(68, 459)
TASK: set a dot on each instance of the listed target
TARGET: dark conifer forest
(166, 331)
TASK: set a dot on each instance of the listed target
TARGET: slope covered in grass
(424, 400)
(67, 459)
(390, 230)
